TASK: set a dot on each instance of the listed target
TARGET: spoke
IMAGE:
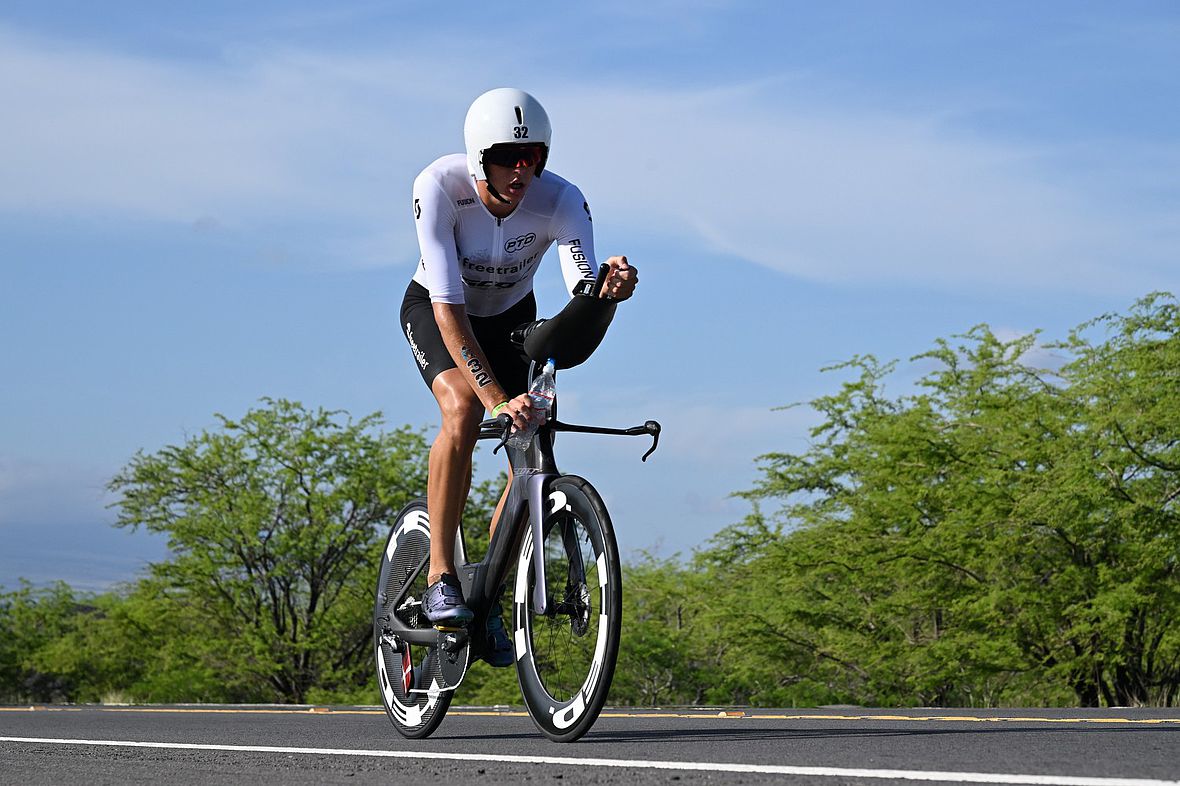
(564, 643)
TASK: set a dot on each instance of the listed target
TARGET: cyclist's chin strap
(495, 194)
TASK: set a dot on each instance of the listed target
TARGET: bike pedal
(432, 690)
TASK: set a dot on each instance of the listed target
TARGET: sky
(205, 204)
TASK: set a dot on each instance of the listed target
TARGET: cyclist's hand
(621, 279)
(522, 411)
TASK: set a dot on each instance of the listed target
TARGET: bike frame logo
(517, 243)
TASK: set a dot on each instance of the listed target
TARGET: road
(822, 747)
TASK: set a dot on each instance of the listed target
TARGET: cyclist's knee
(461, 413)
(460, 428)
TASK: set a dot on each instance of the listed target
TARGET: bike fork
(536, 491)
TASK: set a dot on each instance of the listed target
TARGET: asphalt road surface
(820, 747)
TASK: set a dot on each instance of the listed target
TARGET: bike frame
(532, 471)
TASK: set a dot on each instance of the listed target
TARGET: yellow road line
(966, 719)
(723, 714)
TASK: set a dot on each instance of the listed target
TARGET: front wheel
(566, 653)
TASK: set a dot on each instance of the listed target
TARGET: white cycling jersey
(471, 257)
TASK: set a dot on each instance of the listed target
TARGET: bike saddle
(571, 335)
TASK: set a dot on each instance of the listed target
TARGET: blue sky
(205, 204)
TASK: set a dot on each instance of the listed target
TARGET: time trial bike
(567, 592)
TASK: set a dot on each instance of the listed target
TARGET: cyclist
(484, 220)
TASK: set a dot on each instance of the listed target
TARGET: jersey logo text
(577, 255)
(419, 355)
(517, 243)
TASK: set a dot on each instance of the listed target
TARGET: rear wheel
(407, 676)
(566, 653)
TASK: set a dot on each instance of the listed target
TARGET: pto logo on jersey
(517, 243)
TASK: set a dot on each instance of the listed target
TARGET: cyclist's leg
(500, 505)
(450, 456)
(450, 466)
(508, 363)
(511, 370)
(449, 479)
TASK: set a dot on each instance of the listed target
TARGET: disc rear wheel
(407, 676)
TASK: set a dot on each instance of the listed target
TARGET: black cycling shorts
(509, 365)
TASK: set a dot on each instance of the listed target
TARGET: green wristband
(496, 409)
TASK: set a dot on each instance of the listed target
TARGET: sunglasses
(514, 156)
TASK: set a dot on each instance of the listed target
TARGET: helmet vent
(519, 117)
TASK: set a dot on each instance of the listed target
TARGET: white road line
(766, 769)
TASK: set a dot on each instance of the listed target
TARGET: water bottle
(542, 391)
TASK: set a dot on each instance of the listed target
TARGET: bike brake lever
(653, 428)
(505, 421)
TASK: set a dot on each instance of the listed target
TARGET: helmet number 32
(521, 132)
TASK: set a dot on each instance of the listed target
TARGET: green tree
(31, 619)
(1003, 534)
(274, 525)
(669, 654)
(1107, 512)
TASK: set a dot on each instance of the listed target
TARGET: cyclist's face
(511, 181)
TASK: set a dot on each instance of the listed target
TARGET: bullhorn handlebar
(500, 428)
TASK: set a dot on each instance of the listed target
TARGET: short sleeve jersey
(471, 257)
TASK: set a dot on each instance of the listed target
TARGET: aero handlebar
(500, 428)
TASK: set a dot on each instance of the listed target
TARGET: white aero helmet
(504, 116)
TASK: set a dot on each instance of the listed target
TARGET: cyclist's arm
(434, 222)
(457, 334)
(574, 233)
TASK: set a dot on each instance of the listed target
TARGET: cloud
(847, 194)
(257, 137)
(1040, 356)
(774, 171)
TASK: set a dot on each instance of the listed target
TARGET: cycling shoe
(498, 649)
(443, 603)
